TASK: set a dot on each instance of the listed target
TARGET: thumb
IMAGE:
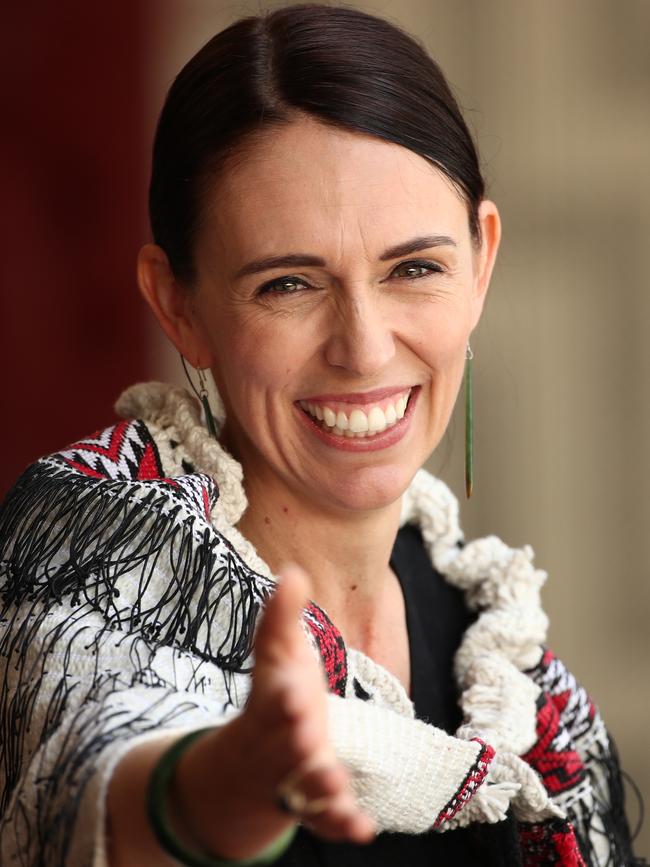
(280, 625)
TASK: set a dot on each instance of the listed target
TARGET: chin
(366, 490)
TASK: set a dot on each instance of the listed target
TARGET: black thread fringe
(65, 536)
(607, 784)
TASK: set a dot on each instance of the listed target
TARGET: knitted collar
(498, 698)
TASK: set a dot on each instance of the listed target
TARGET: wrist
(184, 797)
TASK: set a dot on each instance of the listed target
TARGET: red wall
(73, 163)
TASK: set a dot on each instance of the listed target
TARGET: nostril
(361, 352)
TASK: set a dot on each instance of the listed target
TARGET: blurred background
(558, 96)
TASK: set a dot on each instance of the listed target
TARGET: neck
(345, 554)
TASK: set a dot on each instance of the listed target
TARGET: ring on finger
(291, 800)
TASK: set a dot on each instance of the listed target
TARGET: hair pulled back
(340, 65)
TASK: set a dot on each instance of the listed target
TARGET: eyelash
(432, 267)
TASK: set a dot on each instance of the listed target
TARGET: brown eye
(282, 286)
(414, 270)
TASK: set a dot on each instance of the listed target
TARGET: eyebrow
(290, 260)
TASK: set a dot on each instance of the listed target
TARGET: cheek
(253, 362)
(440, 340)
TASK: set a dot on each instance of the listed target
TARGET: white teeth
(358, 421)
(376, 420)
(329, 417)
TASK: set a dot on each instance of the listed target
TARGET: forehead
(307, 186)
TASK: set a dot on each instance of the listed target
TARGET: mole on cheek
(353, 586)
(285, 509)
(267, 520)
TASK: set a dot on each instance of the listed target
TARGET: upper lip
(359, 396)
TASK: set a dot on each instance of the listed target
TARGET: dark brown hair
(339, 65)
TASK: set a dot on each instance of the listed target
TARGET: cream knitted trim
(168, 406)
(498, 699)
(388, 691)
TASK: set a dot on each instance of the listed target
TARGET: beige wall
(558, 93)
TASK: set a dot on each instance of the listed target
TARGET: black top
(436, 618)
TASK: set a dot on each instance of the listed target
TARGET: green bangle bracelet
(157, 792)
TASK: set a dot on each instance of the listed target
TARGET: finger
(324, 799)
(320, 784)
(279, 629)
(359, 828)
(342, 820)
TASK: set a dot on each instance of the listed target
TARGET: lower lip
(382, 440)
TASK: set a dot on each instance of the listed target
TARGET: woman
(323, 246)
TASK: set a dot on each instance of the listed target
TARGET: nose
(361, 339)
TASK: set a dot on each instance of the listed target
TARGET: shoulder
(159, 445)
(119, 464)
(122, 522)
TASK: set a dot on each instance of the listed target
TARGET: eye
(414, 266)
(282, 286)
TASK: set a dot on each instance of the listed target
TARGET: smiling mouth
(355, 420)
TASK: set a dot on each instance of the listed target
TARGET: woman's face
(337, 288)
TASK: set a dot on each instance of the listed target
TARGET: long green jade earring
(469, 423)
(207, 409)
(202, 396)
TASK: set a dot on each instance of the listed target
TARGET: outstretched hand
(287, 715)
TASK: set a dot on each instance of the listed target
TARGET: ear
(173, 305)
(490, 225)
